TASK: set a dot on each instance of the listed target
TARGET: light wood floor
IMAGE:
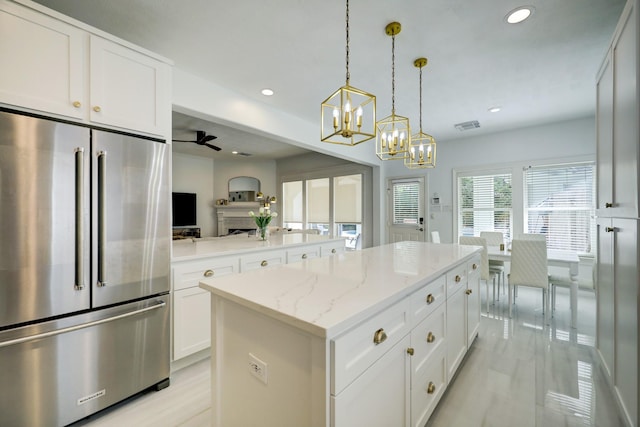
(519, 372)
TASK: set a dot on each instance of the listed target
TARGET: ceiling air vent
(473, 124)
(244, 154)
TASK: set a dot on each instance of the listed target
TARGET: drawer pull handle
(410, 351)
(304, 256)
(431, 388)
(431, 337)
(475, 266)
(430, 299)
(379, 337)
(469, 291)
(458, 278)
(97, 109)
(333, 251)
(264, 263)
(608, 205)
(208, 273)
(77, 104)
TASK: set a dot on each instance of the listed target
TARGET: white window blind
(485, 204)
(318, 200)
(560, 203)
(292, 201)
(347, 193)
(406, 206)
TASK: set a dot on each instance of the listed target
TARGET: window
(292, 205)
(560, 203)
(406, 205)
(318, 204)
(485, 204)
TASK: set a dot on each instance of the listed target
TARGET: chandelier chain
(393, 74)
(420, 99)
(347, 44)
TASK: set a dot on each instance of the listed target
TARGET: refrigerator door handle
(81, 326)
(102, 220)
(79, 279)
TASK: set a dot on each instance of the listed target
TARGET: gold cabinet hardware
(610, 229)
(264, 263)
(77, 104)
(469, 291)
(333, 251)
(431, 337)
(475, 266)
(430, 298)
(608, 205)
(97, 109)
(304, 256)
(379, 337)
(208, 273)
(431, 388)
(410, 351)
(458, 278)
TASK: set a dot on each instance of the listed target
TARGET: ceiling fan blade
(213, 146)
(181, 140)
(209, 138)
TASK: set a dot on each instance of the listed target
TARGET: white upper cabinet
(60, 69)
(42, 62)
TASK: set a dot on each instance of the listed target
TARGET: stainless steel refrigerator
(84, 269)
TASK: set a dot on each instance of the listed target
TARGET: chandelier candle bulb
(336, 118)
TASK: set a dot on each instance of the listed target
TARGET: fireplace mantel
(235, 215)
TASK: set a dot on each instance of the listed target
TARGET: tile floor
(518, 373)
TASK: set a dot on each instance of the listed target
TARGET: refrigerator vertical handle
(102, 227)
(79, 273)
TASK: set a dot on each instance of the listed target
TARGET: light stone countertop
(191, 249)
(326, 296)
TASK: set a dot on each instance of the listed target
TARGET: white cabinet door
(604, 113)
(456, 331)
(606, 295)
(473, 301)
(128, 89)
(42, 62)
(191, 321)
(379, 397)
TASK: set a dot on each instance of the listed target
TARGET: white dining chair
(495, 238)
(485, 272)
(529, 267)
(435, 237)
(532, 236)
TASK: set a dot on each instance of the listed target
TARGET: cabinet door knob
(379, 337)
(264, 263)
(610, 229)
(410, 351)
(304, 256)
(431, 337)
(77, 104)
(469, 291)
(430, 299)
(608, 205)
(431, 388)
(208, 273)
(475, 266)
(458, 278)
(97, 109)
(333, 251)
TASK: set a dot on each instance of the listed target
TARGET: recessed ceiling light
(234, 152)
(519, 14)
(267, 92)
(494, 109)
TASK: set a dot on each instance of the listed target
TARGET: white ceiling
(540, 71)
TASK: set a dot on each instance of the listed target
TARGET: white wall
(193, 174)
(563, 140)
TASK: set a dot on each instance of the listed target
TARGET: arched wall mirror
(243, 189)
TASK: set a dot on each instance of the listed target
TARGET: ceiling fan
(202, 139)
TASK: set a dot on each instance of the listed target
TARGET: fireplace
(232, 218)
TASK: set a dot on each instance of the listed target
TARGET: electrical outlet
(258, 368)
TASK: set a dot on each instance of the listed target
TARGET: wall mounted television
(184, 209)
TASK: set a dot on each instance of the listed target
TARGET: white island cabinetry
(354, 340)
(197, 260)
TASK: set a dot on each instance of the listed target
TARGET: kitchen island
(196, 259)
(364, 338)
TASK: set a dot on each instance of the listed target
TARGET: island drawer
(428, 338)
(188, 274)
(332, 248)
(301, 253)
(427, 299)
(356, 350)
(262, 259)
(456, 279)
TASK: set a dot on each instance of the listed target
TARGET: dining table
(557, 258)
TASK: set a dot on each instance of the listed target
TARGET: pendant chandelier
(422, 150)
(349, 114)
(393, 132)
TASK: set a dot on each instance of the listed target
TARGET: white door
(406, 220)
